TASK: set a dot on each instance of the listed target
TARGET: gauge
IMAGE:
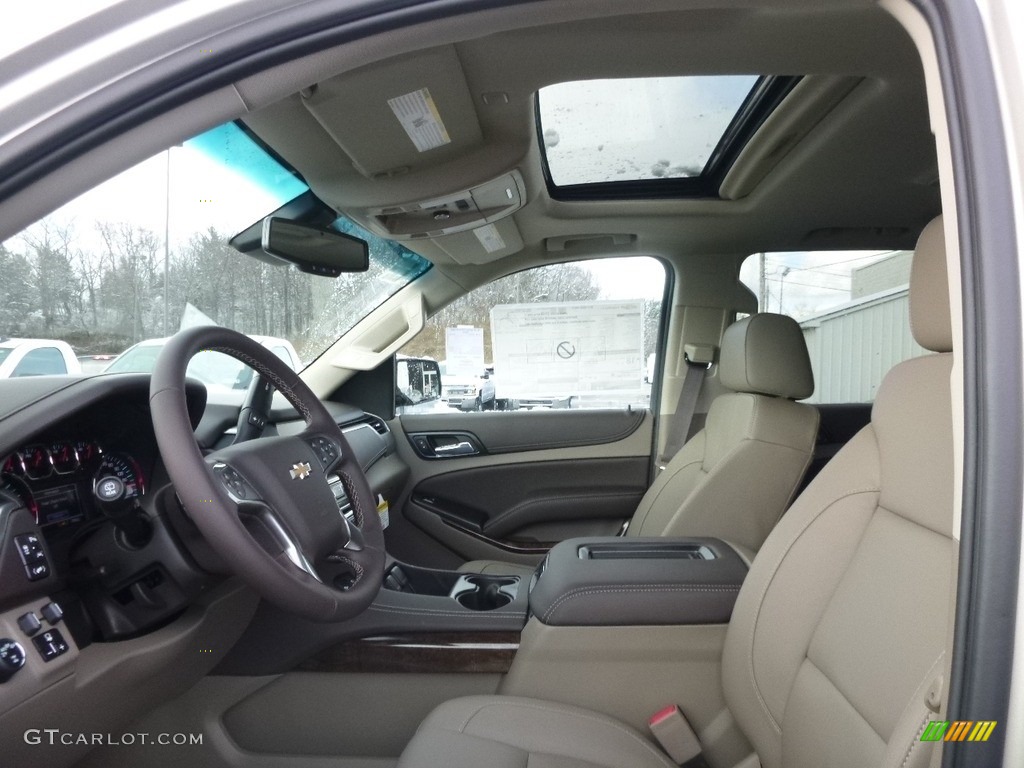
(37, 462)
(13, 465)
(125, 469)
(87, 452)
(64, 458)
(17, 488)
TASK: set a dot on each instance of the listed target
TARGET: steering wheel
(266, 506)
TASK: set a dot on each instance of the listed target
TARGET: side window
(41, 362)
(853, 308)
(574, 335)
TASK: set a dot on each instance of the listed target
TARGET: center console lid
(613, 581)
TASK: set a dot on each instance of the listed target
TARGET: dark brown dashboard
(83, 500)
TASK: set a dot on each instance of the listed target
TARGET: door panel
(518, 431)
(539, 477)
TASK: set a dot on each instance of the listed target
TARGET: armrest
(610, 581)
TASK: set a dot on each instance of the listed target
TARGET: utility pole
(782, 286)
(167, 244)
(762, 294)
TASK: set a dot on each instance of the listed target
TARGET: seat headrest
(766, 354)
(929, 291)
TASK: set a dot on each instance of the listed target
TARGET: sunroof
(637, 129)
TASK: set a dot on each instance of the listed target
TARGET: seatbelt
(675, 735)
(699, 358)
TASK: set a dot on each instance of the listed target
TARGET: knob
(12, 658)
(109, 489)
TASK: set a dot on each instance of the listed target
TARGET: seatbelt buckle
(676, 737)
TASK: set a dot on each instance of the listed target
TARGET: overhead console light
(457, 212)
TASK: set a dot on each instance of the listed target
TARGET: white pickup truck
(36, 357)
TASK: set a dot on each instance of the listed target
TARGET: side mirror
(314, 250)
(417, 381)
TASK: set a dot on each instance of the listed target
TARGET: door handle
(460, 448)
(445, 445)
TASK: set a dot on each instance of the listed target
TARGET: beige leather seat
(839, 629)
(735, 477)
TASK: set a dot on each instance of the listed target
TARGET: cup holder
(479, 592)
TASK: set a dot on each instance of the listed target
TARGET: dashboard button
(37, 571)
(52, 612)
(30, 548)
(50, 644)
(29, 623)
(12, 658)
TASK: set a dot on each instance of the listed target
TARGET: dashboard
(106, 584)
(87, 511)
(84, 499)
(68, 481)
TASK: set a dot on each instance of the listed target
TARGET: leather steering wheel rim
(266, 505)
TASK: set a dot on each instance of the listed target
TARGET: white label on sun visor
(490, 238)
(418, 114)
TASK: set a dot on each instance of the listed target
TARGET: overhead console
(454, 212)
(613, 581)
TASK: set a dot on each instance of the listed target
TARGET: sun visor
(399, 117)
(483, 244)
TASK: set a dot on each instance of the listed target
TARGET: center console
(589, 581)
(603, 581)
(472, 591)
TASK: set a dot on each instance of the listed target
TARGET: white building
(853, 345)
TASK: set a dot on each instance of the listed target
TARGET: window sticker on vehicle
(418, 114)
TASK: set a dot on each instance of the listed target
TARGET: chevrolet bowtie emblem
(300, 471)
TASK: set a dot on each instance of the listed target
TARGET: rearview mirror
(314, 250)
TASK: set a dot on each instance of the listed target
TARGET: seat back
(839, 630)
(735, 477)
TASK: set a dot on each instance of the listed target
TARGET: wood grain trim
(439, 652)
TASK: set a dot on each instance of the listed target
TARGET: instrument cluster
(58, 482)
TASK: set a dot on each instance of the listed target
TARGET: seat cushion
(514, 732)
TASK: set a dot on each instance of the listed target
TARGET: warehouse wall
(853, 347)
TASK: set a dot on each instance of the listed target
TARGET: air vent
(378, 424)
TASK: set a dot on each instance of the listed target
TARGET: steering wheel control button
(257, 421)
(50, 644)
(326, 451)
(109, 488)
(52, 612)
(12, 658)
(233, 481)
(30, 548)
(29, 623)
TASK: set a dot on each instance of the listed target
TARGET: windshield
(212, 368)
(146, 254)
